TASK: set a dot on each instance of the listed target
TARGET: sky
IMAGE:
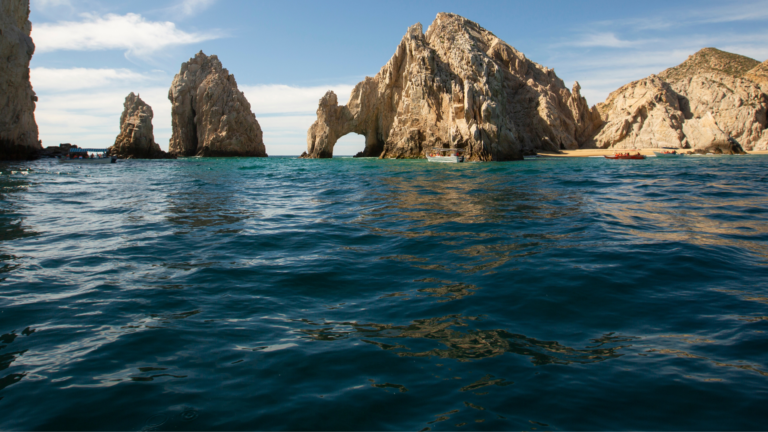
(285, 55)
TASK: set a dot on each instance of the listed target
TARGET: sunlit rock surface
(706, 103)
(136, 139)
(456, 85)
(18, 129)
(210, 116)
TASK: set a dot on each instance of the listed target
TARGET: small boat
(81, 156)
(626, 156)
(449, 155)
(667, 155)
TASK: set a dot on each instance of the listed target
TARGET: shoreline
(609, 152)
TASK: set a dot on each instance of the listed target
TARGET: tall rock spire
(210, 116)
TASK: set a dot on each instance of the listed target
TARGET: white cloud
(83, 106)
(60, 80)
(93, 118)
(130, 32)
(278, 98)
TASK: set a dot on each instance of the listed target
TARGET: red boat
(635, 156)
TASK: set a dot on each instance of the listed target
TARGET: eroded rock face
(210, 116)
(136, 139)
(759, 74)
(18, 129)
(703, 104)
(458, 85)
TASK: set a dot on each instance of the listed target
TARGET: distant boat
(80, 156)
(618, 156)
(449, 155)
(667, 155)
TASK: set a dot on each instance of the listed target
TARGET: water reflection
(429, 202)
(12, 226)
(470, 345)
(208, 200)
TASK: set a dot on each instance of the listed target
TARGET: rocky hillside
(759, 74)
(708, 60)
(210, 116)
(18, 129)
(136, 139)
(456, 85)
(707, 103)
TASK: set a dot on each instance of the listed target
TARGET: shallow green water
(381, 294)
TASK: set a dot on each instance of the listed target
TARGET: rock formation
(136, 139)
(705, 104)
(759, 74)
(457, 85)
(18, 130)
(210, 116)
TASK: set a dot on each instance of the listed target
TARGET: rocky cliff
(706, 103)
(210, 116)
(759, 74)
(18, 130)
(456, 85)
(136, 139)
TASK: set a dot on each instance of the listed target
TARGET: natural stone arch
(334, 122)
(457, 85)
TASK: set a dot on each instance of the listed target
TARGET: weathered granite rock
(759, 74)
(703, 104)
(18, 129)
(456, 85)
(644, 113)
(738, 105)
(136, 139)
(210, 116)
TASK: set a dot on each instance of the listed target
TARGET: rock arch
(460, 85)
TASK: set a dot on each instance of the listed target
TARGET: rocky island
(459, 85)
(707, 103)
(18, 129)
(210, 116)
(136, 139)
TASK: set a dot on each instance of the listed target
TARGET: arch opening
(358, 145)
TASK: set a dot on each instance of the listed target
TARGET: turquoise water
(382, 294)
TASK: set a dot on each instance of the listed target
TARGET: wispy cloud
(62, 80)
(733, 12)
(131, 32)
(604, 39)
(193, 7)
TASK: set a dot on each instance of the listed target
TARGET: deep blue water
(381, 294)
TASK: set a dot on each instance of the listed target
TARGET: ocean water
(371, 294)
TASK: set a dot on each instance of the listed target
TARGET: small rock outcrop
(210, 116)
(137, 138)
(18, 129)
(456, 85)
(759, 74)
(707, 103)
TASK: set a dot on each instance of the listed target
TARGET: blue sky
(285, 55)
